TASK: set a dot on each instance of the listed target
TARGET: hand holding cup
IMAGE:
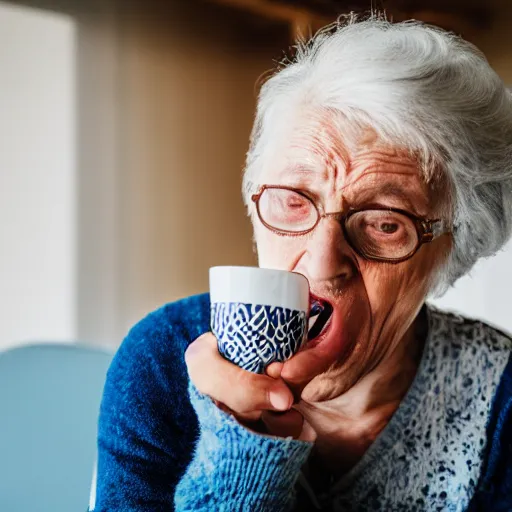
(258, 319)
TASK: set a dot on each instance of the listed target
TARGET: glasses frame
(425, 228)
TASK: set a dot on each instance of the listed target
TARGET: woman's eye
(378, 227)
(381, 233)
(389, 227)
(296, 204)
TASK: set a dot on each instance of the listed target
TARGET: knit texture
(162, 446)
(228, 457)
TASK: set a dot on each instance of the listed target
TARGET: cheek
(428, 262)
(276, 251)
(383, 284)
(403, 286)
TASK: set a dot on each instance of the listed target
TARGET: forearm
(236, 469)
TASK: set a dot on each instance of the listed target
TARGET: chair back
(49, 402)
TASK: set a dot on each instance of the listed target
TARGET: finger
(240, 390)
(250, 420)
(249, 417)
(283, 424)
(303, 367)
(274, 370)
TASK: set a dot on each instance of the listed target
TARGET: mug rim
(283, 288)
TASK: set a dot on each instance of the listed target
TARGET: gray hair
(419, 88)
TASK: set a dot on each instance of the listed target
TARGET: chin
(339, 334)
(336, 381)
(323, 387)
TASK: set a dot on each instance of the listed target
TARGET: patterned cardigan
(162, 446)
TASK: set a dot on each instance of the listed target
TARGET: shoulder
(473, 354)
(481, 348)
(482, 355)
(167, 331)
(149, 366)
(473, 333)
(147, 427)
(180, 322)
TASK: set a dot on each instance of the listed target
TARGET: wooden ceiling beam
(302, 21)
(305, 22)
(450, 16)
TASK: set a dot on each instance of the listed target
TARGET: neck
(390, 379)
(348, 424)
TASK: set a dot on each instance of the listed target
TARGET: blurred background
(123, 130)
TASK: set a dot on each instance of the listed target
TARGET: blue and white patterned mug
(258, 315)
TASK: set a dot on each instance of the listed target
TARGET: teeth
(319, 318)
(325, 325)
(316, 308)
(312, 320)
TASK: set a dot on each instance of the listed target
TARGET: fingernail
(279, 400)
(274, 370)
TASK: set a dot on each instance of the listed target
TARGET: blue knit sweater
(163, 446)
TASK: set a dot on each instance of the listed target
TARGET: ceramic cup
(258, 315)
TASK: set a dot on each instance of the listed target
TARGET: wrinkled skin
(342, 389)
(368, 358)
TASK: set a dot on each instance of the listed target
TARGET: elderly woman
(380, 167)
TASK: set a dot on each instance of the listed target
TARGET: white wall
(100, 174)
(485, 292)
(37, 176)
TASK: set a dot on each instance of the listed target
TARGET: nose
(328, 256)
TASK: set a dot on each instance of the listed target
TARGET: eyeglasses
(376, 233)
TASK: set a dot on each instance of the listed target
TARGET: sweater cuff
(238, 464)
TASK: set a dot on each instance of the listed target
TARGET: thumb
(274, 370)
(302, 368)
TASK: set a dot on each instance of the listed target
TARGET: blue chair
(49, 402)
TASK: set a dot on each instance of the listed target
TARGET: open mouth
(319, 316)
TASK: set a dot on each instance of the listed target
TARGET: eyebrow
(388, 190)
(298, 167)
(301, 174)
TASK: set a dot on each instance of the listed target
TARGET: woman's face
(374, 304)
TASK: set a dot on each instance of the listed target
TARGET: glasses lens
(382, 234)
(286, 210)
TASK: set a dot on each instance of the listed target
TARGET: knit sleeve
(147, 427)
(236, 469)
